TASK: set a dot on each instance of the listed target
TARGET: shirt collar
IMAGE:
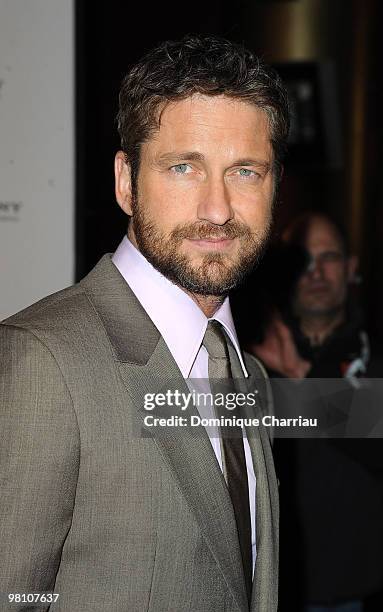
(169, 307)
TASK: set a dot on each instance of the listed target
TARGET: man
(321, 332)
(95, 506)
(331, 490)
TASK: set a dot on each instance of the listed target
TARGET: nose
(315, 269)
(215, 203)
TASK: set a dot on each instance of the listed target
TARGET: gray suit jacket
(90, 508)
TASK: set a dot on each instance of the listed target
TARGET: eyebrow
(173, 157)
(260, 163)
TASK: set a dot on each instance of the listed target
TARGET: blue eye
(180, 168)
(245, 172)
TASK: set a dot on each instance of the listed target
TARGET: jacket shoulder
(50, 310)
(63, 307)
(255, 366)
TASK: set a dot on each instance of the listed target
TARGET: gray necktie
(234, 461)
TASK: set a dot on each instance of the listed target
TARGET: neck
(318, 327)
(209, 304)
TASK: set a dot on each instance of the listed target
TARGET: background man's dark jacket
(331, 497)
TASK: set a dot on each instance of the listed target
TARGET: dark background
(330, 54)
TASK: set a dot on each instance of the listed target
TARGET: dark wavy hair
(206, 65)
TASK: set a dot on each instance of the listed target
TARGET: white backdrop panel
(36, 150)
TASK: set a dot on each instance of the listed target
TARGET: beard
(217, 273)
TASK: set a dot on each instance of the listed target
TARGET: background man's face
(205, 189)
(322, 289)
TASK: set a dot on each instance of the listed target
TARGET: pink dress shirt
(182, 324)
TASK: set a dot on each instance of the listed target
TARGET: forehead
(322, 236)
(207, 122)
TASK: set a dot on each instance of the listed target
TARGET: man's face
(204, 194)
(322, 289)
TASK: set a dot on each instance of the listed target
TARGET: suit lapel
(265, 587)
(146, 366)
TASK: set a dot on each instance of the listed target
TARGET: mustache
(197, 231)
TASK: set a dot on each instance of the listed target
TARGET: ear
(352, 267)
(123, 183)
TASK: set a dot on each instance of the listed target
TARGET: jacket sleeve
(39, 461)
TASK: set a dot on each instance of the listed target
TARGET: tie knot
(214, 341)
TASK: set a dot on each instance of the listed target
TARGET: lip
(212, 243)
(317, 289)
